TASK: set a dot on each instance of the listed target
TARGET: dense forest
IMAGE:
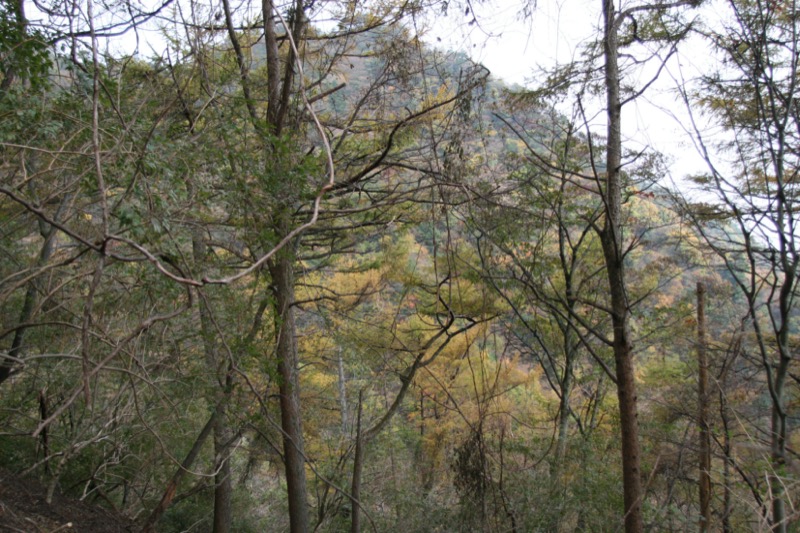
(287, 266)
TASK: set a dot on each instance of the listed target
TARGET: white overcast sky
(513, 47)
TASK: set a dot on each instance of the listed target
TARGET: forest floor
(24, 509)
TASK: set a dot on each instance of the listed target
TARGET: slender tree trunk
(342, 394)
(778, 440)
(612, 244)
(358, 466)
(704, 447)
(273, 64)
(25, 315)
(726, 469)
(629, 425)
(563, 408)
(172, 486)
(567, 268)
(43, 414)
(7, 364)
(364, 437)
(223, 487)
(563, 423)
(558, 487)
(727, 447)
(279, 88)
(778, 447)
(392, 463)
(291, 422)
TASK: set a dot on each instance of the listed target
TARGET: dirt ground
(23, 509)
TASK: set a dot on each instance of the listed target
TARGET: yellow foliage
(442, 95)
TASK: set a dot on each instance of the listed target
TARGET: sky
(512, 47)
(510, 44)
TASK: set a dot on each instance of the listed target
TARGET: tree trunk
(291, 422)
(563, 422)
(342, 394)
(223, 488)
(26, 314)
(567, 260)
(704, 447)
(564, 408)
(172, 486)
(629, 425)
(279, 85)
(778, 427)
(726, 473)
(778, 446)
(612, 244)
(358, 466)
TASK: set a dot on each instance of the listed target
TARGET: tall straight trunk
(778, 446)
(358, 467)
(291, 423)
(223, 487)
(727, 446)
(781, 371)
(611, 240)
(279, 90)
(562, 439)
(704, 446)
(342, 394)
(778, 441)
(567, 267)
(563, 418)
(273, 65)
(727, 498)
(566, 252)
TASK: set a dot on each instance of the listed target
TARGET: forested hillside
(286, 267)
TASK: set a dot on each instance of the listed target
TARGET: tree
(753, 178)
(545, 270)
(614, 253)
(704, 446)
(633, 28)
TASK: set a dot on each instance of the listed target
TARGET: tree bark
(279, 85)
(289, 389)
(778, 423)
(704, 446)
(223, 487)
(563, 420)
(726, 472)
(564, 407)
(342, 394)
(358, 466)
(567, 268)
(611, 240)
